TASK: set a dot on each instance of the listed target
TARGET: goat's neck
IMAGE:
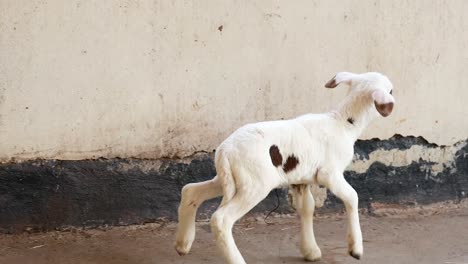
(357, 111)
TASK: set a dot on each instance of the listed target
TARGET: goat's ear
(383, 102)
(341, 77)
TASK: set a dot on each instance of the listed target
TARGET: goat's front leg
(305, 205)
(337, 184)
(227, 214)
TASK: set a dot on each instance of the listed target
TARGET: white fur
(323, 144)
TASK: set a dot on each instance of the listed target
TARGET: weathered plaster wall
(88, 79)
(88, 86)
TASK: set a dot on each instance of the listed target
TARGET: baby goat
(310, 149)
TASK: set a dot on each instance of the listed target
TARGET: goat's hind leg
(225, 217)
(193, 195)
(305, 205)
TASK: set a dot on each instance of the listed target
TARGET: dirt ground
(440, 237)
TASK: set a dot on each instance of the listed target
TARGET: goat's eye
(391, 91)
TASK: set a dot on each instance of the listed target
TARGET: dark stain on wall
(364, 147)
(44, 195)
(406, 185)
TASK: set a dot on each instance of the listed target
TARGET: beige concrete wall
(85, 79)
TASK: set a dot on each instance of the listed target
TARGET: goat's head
(376, 85)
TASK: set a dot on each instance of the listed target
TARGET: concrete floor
(438, 238)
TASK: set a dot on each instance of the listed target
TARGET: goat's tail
(224, 172)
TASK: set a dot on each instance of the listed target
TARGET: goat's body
(311, 138)
(258, 157)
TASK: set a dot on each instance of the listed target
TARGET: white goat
(310, 149)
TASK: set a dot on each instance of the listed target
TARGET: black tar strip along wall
(53, 194)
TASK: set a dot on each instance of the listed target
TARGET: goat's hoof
(313, 255)
(181, 250)
(355, 255)
(312, 258)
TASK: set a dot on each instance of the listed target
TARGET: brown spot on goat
(290, 164)
(275, 156)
